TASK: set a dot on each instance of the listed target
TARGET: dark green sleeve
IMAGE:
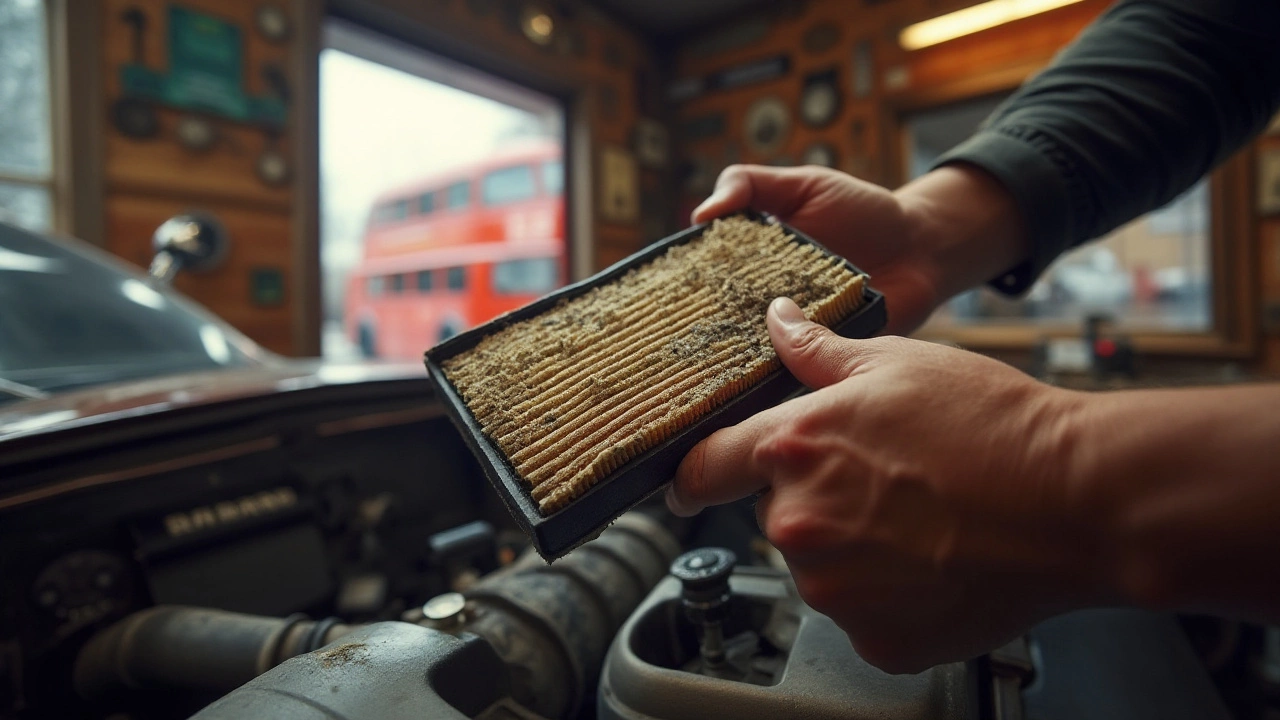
(1146, 101)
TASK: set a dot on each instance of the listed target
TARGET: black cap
(704, 572)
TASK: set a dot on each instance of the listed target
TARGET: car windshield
(70, 319)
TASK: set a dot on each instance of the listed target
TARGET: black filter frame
(585, 516)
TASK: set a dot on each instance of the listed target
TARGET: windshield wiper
(20, 391)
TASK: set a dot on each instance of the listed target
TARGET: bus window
(459, 195)
(375, 286)
(552, 178)
(456, 278)
(397, 211)
(508, 185)
(424, 280)
(532, 275)
(397, 283)
(426, 203)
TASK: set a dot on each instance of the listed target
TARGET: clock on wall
(272, 22)
(821, 153)
(767, 125)
(820, 99)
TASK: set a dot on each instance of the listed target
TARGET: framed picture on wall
(619, 186)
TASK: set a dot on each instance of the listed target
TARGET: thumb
(814, 354)
(768, 189)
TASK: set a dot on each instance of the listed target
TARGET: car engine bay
(331, 550)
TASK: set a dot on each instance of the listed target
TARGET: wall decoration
(862, 70)
(132, 115)
(749, 73)
(619, 186)
(686, 89)
(1269, 182)
(738, 35)
(273, 168)
(820, 98)
(272, 22)
(821, 153)
(196, 133)
(821, 37)
(649, 140)
(704, 126)
(206, 71)
(767, 125)
(135, 118)
(699, 176)
(897, 77)
(266, 287)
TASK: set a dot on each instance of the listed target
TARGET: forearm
(1143, 104)
(1186, 484)
(967, 222)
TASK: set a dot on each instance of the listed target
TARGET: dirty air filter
(583, 403)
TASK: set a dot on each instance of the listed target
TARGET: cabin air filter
(583, 403)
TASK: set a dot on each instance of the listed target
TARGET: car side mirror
(193, 241)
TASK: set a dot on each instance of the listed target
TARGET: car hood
(105, 403)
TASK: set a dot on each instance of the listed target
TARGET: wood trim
(308, 303)
(579, 200)
(203, 196)
(75, 43)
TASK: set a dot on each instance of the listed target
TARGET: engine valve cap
(705, 571)
(445, 610)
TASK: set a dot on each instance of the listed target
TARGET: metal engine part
(801, 665)
(389, 671)
(550, 625)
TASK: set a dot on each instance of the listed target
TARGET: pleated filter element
(597, 380)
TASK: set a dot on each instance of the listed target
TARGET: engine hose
(550, 624)
(189, 648)
(553, 624)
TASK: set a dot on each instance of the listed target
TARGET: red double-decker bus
(446, 253)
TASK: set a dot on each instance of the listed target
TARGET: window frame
(57, 70)
(1233, 331)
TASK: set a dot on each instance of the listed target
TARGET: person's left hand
(922, 496)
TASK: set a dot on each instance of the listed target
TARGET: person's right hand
(914, 243)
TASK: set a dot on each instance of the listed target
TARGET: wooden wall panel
(148, 181)
(259, 239)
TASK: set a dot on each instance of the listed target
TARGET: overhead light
(973, 19)
(538, 25)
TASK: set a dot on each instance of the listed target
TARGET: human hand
(921, 495)
(950, 230)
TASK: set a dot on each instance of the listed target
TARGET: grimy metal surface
(554, 535)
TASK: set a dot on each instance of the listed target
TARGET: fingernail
(672, 504)
(788, 312)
